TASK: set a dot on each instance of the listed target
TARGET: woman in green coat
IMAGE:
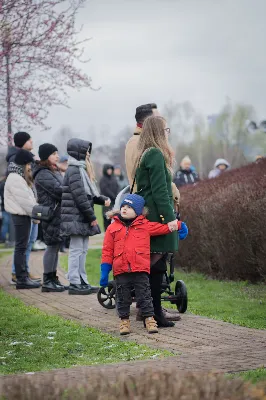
(154, 178)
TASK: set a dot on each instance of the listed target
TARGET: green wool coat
(154, 184)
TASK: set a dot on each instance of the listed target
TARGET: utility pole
(8, 97)
(6, 48)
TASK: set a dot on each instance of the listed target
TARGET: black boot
(79, 289)
(93, 289)
(156, 279)
(27, 283)
(57, 281)
(49, 285)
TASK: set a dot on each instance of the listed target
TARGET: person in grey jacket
(78, 219)
(48, 183)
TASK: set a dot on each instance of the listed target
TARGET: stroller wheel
(181, 296)
(106, 296)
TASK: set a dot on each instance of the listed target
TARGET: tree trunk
(8, 97)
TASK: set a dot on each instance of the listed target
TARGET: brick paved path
(199, 343)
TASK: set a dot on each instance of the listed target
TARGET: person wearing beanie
(186, 175)
(49, 184)
(22, 140)
(126, 251)
(19, 202)
(46, 150)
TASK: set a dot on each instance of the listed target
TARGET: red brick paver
(199, 343)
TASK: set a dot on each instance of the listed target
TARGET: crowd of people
(55, 197)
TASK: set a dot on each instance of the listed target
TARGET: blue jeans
(32, 239)
(5, 225)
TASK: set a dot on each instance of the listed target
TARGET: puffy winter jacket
(11, 154)
(49, 190)
(184, 177)
(19, 197)
(127, 249)
(77, 211)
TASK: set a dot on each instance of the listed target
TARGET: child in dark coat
(126, 250)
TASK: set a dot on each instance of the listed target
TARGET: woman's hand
(36, 221)
(107, 203)
(94, 223)
(173, 225)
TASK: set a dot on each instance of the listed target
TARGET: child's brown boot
(151, 325)
(124, 327)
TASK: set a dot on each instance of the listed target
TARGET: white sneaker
(39, 245)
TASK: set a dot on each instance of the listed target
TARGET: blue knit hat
(134, 201)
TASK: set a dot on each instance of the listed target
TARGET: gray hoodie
(214, 173)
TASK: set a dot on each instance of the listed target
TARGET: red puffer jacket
(127, 249)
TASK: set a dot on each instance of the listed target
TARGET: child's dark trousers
(139, 281)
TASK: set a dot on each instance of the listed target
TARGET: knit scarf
(15, 169)
(89, 186)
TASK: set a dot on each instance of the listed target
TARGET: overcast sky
(160, 50)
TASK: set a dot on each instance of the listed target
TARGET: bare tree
(39, 53)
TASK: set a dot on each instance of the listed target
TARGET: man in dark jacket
(109, 188)
(185, 175)
(22, 140)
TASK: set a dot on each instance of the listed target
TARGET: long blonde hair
(153, 135)
(90, 169)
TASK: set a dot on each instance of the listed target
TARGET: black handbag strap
(48, 191)
(134, 181)
(133, 184)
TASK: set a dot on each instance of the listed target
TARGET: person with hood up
(220, 166)
(109, 188)
(48, 183)
(19, 202)
(186, 175)
(78, 219)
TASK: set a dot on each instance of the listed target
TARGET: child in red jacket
(126, 250)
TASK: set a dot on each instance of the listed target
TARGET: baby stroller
(106, 296)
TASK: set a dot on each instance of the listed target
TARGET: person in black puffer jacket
(77, 214)
(185, 175)
(48, 183)
(110, 188)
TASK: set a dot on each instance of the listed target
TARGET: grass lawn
(5, 253)
(236, 302)
(99, 216)
(253, 376)
(31, 340)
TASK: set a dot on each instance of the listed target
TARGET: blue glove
(183, 231)
(105, 269)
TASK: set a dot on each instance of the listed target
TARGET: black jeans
(22, 224)
(156, 279)
(124, 285)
